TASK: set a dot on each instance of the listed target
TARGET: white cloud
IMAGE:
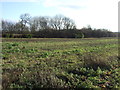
(20, 0)
(97, 13)
(60, 3)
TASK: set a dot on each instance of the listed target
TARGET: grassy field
(60, 63)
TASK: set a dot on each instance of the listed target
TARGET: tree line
(58, 26)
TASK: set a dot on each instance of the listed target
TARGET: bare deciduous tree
(8, 26)
(25, 19)
(60, 22)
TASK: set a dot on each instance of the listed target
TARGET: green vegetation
(60, 63)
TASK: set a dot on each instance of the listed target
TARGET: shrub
(29, 35)
(79, 35)
(7, 35)
(26, 35)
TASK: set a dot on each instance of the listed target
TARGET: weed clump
(95, 61)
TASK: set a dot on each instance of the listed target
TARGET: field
(60, 63)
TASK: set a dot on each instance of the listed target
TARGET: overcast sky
(97, 13)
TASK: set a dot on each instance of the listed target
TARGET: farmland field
(60, 63)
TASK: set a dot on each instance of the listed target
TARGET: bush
(7, 35)
(29, 35)
(79, 35)
(26, 36)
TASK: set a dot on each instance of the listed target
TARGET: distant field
(60, 63)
